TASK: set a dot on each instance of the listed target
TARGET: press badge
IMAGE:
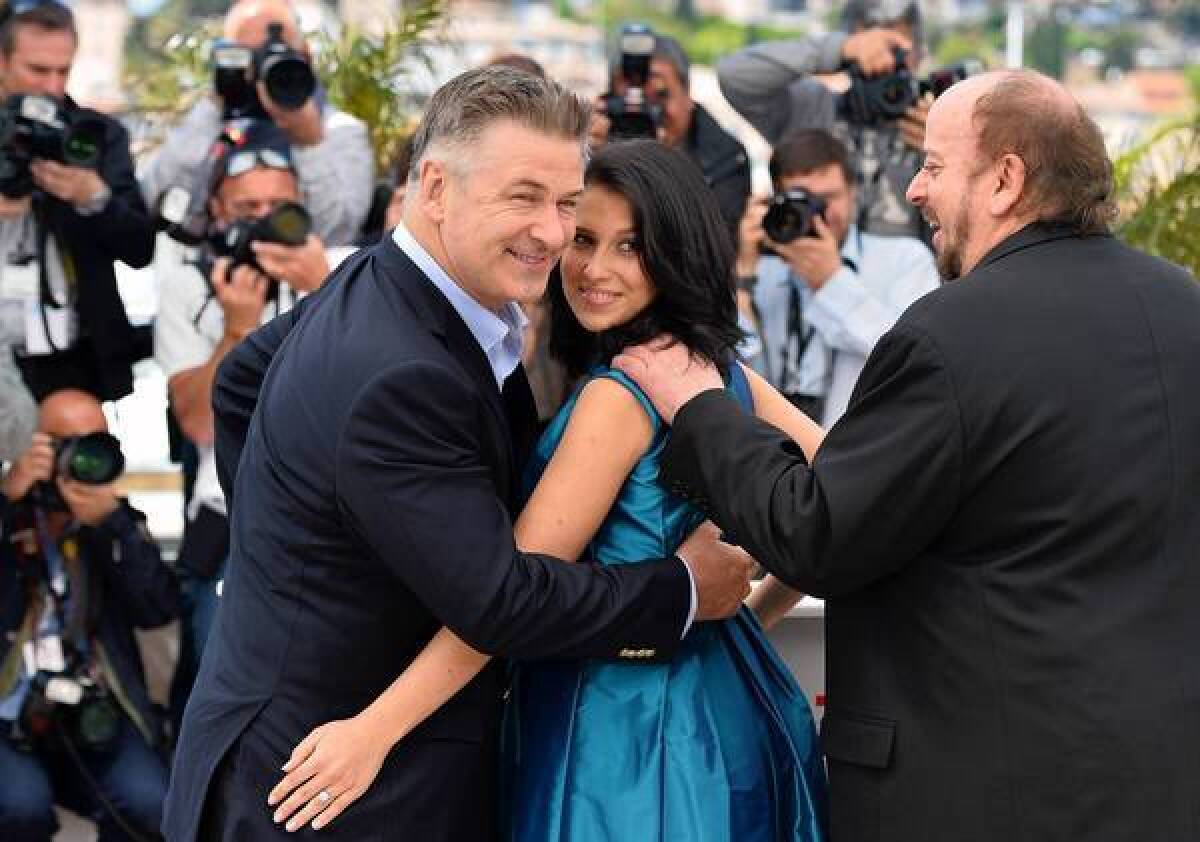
(49, 654)
(19, 282)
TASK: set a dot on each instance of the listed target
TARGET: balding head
(1004, 150)
(1068, 176)
(70, 412)
(247, 21)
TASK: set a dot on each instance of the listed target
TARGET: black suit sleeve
(884, 482)
(412, 486)
(235, 390)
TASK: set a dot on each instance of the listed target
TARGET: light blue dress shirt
(500, 335)
(881, 277)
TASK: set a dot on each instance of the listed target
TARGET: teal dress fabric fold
(717, 745)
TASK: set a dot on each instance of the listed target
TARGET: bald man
(77, 577)
(331, 149)
(1005, 522)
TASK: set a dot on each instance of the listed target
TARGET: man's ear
(1009, 188)
(432, 189)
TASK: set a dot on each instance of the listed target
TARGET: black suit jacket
(371, 505)
(1005, 526)
(123, 230)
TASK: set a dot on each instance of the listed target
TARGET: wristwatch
(97, 203)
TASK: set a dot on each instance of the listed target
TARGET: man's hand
(304, 268)
(668, 373)
(14, 208)
(90, 504)
(302, 125)
(74, 185)
(242, 295)
(814, 259)
(750, 236)
(721, 572)
(872, 50)
(912, 124)
(35, 465)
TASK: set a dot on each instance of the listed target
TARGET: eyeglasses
(241, 162)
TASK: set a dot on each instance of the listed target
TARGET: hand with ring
(327, 772)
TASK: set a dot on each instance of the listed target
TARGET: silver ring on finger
(323, 798)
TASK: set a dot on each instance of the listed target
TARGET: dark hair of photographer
(77, 183)
(808, 151)
(683, 248)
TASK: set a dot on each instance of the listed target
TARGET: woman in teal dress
(717, 744)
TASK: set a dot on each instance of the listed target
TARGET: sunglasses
(241, 162)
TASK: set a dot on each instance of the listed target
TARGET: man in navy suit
(374, 437)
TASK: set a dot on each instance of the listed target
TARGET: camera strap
(60, 332)
(67, 581)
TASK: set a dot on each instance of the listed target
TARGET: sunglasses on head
(20, 7)
(243, 161)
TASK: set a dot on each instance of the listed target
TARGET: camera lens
(289, 224)
(289, 80)
(94, 459)
(82, 143)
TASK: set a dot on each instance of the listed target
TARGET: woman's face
(602, 275)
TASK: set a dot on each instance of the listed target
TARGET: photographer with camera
(260, 258)
(881, 117)
(262, 71)
(78, 573)
(69, 208)
(649, 97)
(823, 290)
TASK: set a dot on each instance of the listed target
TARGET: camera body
(289, 225)
(632, 115)
(92, 459)
(872, 101)
(34, 126)
(72, 703)
(790, 215)
(288, 76)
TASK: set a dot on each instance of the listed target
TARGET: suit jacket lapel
(444, 322)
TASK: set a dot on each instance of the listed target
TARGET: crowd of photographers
(252, 199)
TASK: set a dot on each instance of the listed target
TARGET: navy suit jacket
(371, 504)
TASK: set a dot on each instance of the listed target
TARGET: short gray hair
(460, 110)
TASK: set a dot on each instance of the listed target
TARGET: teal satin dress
(716, 745)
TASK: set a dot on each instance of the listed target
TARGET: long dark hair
(684, 248)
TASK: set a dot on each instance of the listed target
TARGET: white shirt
(847, 315)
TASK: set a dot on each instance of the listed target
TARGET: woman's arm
(772, 599)
(607, 433)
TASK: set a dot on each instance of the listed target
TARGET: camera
(870, 101)
(631, 114)
(288, 224)
(92, 459)
(288, 77)
(34, 126)
(84, 711)
(790, 215)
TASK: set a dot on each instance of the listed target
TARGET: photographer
(69, 208)
(331, 149)
(78, 573)
(206, 308)
(681, 122)
(771, 85)
(825, 292)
